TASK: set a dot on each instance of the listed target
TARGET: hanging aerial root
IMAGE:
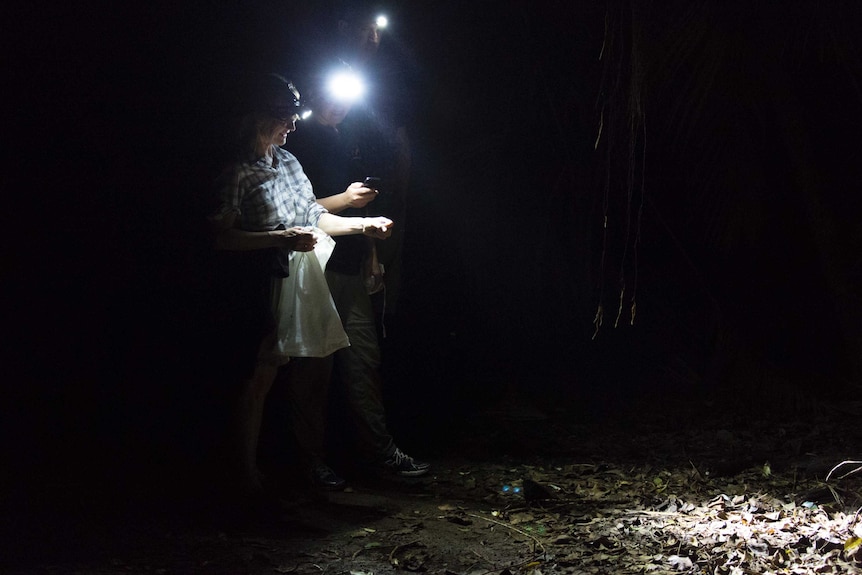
(620, 308)
(597, 321)
(601, 126)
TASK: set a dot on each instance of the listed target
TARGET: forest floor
(680, 490)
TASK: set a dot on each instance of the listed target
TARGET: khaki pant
(358, 366)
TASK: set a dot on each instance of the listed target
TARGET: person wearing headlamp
(328, 157)
(382, 121)
(265, 204)
(361, 29)
(380, 128)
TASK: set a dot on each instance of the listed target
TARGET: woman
(265, 200)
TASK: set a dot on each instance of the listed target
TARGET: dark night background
(727, 170)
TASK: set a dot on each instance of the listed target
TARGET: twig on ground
(849, 473)
(535, 559)
(836, 496)
(515, 529)
(397, 547)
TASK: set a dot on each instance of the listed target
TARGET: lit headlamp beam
(345, 87)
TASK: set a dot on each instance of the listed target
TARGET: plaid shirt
(264, 196)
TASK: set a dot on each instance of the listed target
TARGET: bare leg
(250, 415)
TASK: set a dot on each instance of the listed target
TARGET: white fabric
(309, 324)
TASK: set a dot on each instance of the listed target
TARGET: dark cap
(276, 96)
(358, 12)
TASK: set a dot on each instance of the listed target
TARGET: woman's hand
(379, 227)
(296, 239)
(358, 196)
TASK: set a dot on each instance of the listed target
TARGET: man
(329, 161)
(380, 125)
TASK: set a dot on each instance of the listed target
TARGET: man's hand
(378, 227)
(358, 196)
(297, 239)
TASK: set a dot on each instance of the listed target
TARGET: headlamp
(345, 87)
(292, 107)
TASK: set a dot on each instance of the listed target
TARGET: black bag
(280, 259)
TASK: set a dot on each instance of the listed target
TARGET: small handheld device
(371, 182)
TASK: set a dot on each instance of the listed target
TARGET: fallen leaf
(516, 518)
(680, 563)
(853, 549)
(458, 520)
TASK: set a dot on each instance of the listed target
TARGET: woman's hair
(249, 133)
